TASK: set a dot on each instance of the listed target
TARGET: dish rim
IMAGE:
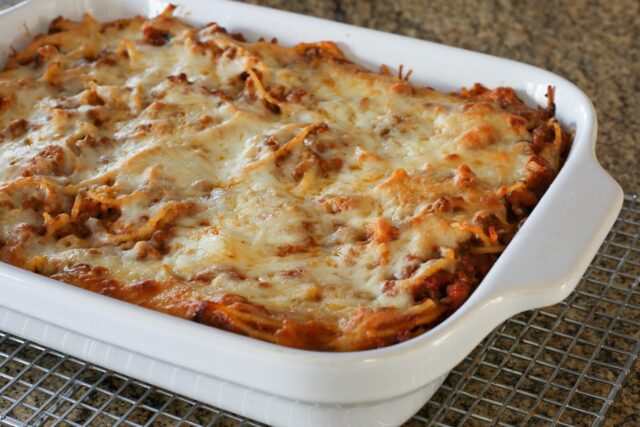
(490, 294)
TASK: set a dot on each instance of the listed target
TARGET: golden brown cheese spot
(403, 88)
(464, 176)
(516, 121)
(479, 137)
(5, 101)
(339, 203)
(398, 177)
(50, 161)
(477, 108)
(384, 231)
(45, 54)
(16, 128)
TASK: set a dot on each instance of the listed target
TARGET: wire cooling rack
(562, 364)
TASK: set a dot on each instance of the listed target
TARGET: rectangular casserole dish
(283, 386)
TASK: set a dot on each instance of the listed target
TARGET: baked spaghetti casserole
(284, 193)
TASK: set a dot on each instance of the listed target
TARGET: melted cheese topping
(287, 176)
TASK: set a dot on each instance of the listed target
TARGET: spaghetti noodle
(283, 193)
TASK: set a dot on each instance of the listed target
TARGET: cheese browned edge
(284, 193)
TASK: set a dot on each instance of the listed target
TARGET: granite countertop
(595, 44)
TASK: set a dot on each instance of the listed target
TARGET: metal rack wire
(562, 364)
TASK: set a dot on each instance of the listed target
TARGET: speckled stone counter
(595, 44)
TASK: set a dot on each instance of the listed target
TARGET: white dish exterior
(283, 386)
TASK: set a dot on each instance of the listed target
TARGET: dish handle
(577, 212)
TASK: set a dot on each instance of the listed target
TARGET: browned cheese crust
(284, 193)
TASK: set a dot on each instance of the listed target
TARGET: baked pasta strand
(283, 193)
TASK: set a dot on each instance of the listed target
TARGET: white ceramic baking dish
(283, 386)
